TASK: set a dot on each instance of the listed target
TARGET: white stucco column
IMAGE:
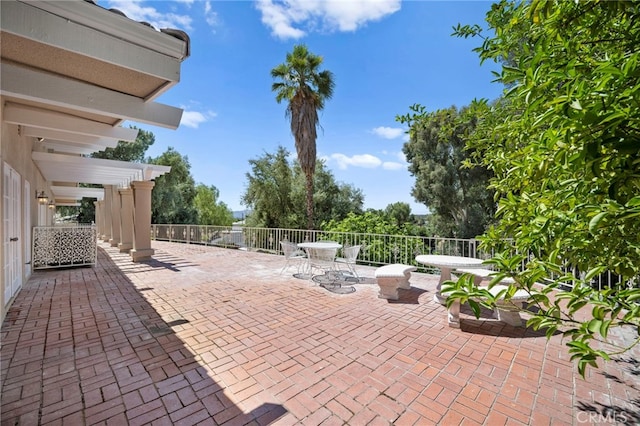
(106, 231)
(142, 220)
(115, 217)
(97, 216)
(126, 220)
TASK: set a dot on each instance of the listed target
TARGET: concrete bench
(505, 311)
(392, 277)
(481, 275)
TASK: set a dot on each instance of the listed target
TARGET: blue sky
(385, 55)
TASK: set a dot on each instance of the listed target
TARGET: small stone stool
(392, 277)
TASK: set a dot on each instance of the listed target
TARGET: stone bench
(392, 277)
(505, 311)
(481, 275)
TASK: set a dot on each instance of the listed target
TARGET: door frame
(12, 232)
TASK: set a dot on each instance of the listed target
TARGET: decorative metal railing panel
(64, 246)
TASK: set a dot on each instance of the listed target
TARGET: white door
(11, 227)
(27, 229)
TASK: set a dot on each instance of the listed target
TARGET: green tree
(565, 153)
(174, 192)
(132, 152)
(277, 197)
(269, 189)
(305, 88)
(376, 226)
(210, 211)
(399, 212)
(458, 196)
(331, 199)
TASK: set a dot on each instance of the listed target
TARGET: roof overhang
(71, 73)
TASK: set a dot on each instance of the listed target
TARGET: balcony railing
(376, 249)
(64, 246)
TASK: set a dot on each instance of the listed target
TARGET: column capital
(143, 184)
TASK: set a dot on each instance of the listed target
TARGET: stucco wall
(15, 150)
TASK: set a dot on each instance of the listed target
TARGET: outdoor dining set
(319, 262)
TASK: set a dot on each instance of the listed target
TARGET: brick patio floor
(202, 335)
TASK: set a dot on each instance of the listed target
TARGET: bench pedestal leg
(453, 314)
(509, 316)
(388, 288)
(404, 283)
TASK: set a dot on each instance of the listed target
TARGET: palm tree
(306, 89)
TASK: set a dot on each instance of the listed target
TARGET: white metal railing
(64, 246)
(376, 249)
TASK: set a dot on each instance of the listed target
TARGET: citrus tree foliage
(458, 197)
(565, 150)
(210, 211)
(276, 193)
(132, 152)
(172, 199)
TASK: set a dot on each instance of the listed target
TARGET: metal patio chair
(349, 260)
(293, 256)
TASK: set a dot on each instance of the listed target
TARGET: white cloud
(136, 10)
(392, 165)
(210, 15)
(388, 132)
(367, 161)
(294, 18)
(193, 119)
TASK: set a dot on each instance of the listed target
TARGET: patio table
(446, 264)
(320, 254)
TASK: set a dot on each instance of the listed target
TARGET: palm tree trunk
(309, 188)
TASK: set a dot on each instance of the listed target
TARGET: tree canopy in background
(276, 193)
(133, 152)
(565, 150)
(458, 197)
(174, 192)
(211, 211)
(400, 213)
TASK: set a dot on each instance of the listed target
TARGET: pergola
(72, 72)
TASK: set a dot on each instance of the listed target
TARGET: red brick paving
(203, 335)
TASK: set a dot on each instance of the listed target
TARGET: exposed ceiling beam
(36, 117)
(28, 84)
(71, 148)
(73, 138)
(69, 168)
(36, 24)
(77, 193)
(68, 204)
